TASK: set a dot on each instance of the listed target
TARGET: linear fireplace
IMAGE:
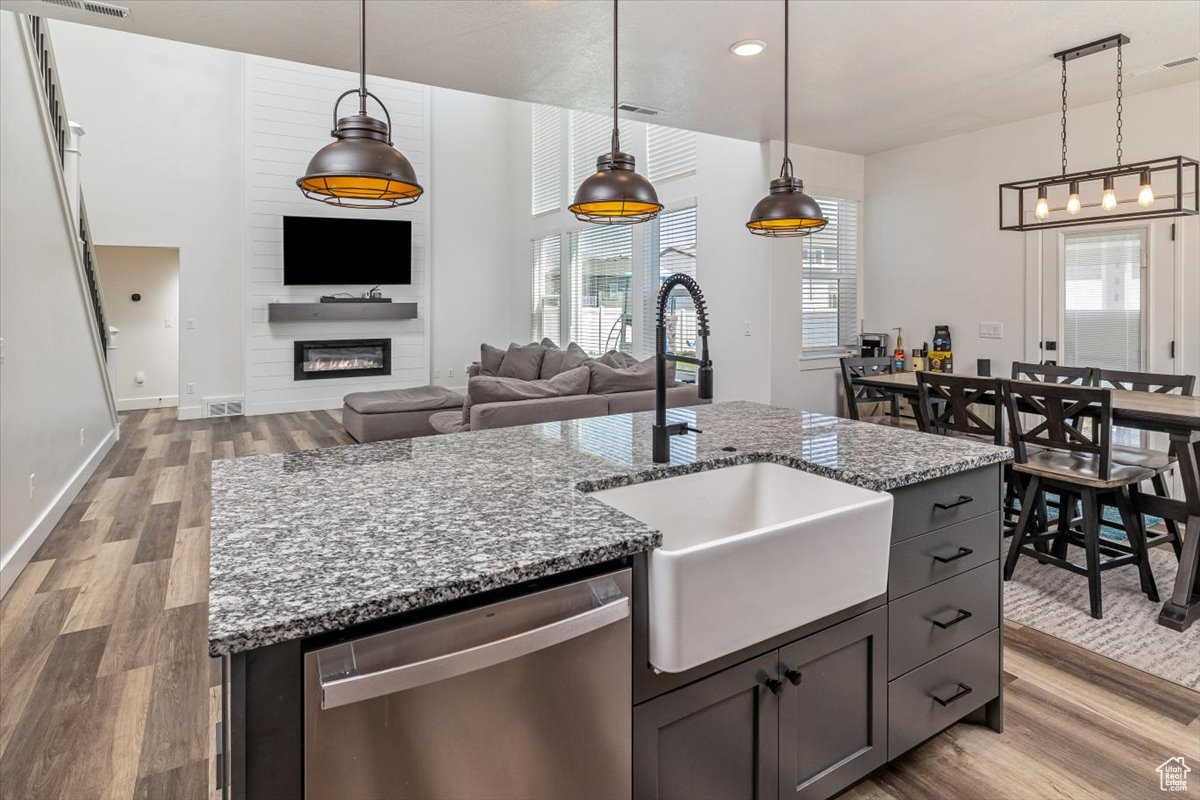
(343, 358)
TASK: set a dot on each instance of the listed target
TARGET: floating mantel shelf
(302, 312)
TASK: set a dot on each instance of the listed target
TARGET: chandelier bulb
(1042, 210)
(1146, 193)
(1108, 200)
(1073, 204)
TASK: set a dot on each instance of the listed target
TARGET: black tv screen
(337, 250)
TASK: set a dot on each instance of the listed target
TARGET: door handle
(962, 500)
(962, 553)
(962, 614)
(963, 691)
(793, 675)
(356, 688)
(773, 684)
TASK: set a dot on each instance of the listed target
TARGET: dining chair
(1074, 459)
(1053, 373)
(1158, 461)
(856, 396)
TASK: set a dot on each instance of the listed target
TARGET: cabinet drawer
(938, 503)
(935, 620)
(931, 557)
(929, 699)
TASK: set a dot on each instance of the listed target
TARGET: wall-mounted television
(341, 250)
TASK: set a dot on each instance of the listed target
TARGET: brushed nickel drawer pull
(962, 614)
(962, 552)
(963, 691)
(962, 500)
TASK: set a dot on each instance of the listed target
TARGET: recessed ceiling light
(748, 47)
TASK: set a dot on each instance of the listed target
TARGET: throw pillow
(489, 389)
(522, 361)
(558, 361)
(490, 359)
(615, 358)
(639, 377)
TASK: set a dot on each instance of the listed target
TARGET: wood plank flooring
(106, 690)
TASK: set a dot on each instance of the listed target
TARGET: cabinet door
(716, 738)
(833, 707)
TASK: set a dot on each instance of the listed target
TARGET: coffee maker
(873, 345)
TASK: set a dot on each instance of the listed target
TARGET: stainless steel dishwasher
(526, 698)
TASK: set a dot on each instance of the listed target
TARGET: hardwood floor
(106, 690)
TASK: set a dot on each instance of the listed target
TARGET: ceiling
(866, 76)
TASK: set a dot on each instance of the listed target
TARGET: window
(1102, 299)
(830, 281)
(548, 184)
(547, 287)
(601, 284)
(591, 137)
(670, 152)
(670, 248)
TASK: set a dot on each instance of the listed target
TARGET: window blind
(670, 247)
(545, 257)
(590, 138)
(670, 152)
(548, 164)
(601, 284)
(1102, 300)
(829, 302)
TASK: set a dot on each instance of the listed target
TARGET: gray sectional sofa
(520, 385)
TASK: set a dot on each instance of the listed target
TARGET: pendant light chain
(1064, 115)
(1120, 94)
(786, 170)
(616, 132)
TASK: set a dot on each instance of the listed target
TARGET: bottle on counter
(898, 357)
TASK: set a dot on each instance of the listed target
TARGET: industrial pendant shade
(616, 194)
(361, 169)
(787, 210)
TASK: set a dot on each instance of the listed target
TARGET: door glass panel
(1102, 300)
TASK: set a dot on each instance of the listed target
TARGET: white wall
(55, 419)
(934, 251)
(162, 166)
(147, 346)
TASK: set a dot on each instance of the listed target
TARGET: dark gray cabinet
(713, 740)
(803, 721)
(833, 707)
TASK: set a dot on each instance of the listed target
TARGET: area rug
(1055, 601)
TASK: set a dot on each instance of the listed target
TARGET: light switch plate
(991, 330)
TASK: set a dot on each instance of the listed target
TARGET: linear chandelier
(1109, 194)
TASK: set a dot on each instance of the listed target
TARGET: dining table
(1177, 416)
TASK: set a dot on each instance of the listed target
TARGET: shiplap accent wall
(289, 114)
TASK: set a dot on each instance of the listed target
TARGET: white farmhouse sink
(753, 551)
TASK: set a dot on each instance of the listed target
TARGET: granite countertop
(304, 543)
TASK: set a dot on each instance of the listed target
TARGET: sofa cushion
(448, 422)
(681, 394)
(557, 361)
(615, 358)
(394, 401)
(522, 361)
(544, 409)
(489, 389)
(608, 379)
(490, 359)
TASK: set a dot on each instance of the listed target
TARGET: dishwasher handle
(357, 688)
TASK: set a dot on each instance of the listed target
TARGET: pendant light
(361, 169)
(787, 210)
(616, 194)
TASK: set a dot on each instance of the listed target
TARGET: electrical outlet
(449, 372)
(991, 330)
(190, 388)
(81, 430)
(747, 327)
(32, 476)
(191, 323)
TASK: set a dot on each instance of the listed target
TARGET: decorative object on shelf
(361, 169)
(1080, 209)
(616, 194)
(787, 210)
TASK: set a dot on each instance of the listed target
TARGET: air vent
(645, 110)
(92, 7)
(223, 408)
(1179, 62)
(1183, 61)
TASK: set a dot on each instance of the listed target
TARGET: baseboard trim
(136, 403)
(32, 539)
(190, 412)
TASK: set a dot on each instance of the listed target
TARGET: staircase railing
(60, 131)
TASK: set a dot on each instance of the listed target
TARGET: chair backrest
(1053, 373)
(859, 366)
(1061, 408)
(1162, 383)
(947, 400)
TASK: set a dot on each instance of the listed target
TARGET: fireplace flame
(329, 364)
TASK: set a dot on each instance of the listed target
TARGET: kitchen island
(310, 549)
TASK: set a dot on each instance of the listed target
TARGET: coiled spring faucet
(662, 432)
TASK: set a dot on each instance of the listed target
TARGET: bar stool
(1075, 459)
(862, 366)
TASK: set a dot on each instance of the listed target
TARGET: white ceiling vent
(92, 7)
(644, 110)
(1172, 64)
